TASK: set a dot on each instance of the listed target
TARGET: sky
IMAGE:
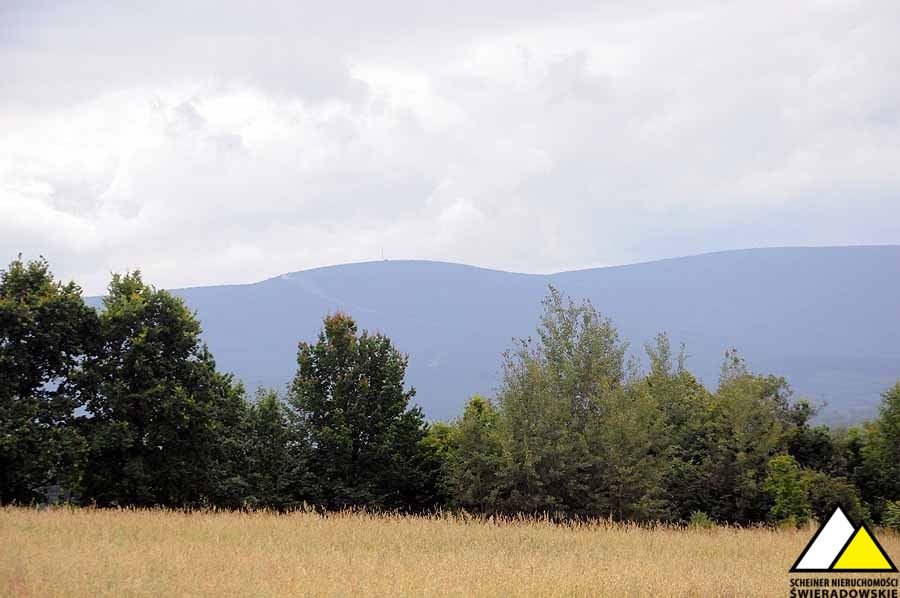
(210, 142)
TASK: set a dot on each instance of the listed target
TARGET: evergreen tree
(685, 440)
(628, 443)
(277, 475)
(476, 457)
(750, 425)
(227, 447)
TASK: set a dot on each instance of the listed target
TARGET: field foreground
(65, 552)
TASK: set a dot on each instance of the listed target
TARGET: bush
(827, 492)
(790, 491)
(701, 520)
(892, 515)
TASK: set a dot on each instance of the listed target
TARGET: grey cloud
(569, 78)
(221, 144)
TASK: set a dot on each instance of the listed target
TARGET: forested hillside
(825, 318)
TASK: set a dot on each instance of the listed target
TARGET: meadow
(86, 552)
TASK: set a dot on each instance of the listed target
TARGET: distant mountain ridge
(826, 318)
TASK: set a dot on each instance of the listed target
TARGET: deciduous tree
(353, 412)
(46, 331)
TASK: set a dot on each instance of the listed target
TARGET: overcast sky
(206, 145)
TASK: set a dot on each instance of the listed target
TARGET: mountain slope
(827, 318)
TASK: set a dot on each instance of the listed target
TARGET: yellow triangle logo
(863, 553)
(840, 547)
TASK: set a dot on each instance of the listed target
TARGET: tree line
(124, 406)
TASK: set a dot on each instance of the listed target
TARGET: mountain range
(828, 319)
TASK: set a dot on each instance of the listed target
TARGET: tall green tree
(277, 475)
(353, 411)
(628, 442)
(751, 424)
(476, 457)
(581, 353)
(579, 435)
(812, 446)
(46, 331)
(158, 408)
(547, 464)
(439, 447)
(226, 445)
(686, 408)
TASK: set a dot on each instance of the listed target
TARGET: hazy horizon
(253, 280)
(825, 320)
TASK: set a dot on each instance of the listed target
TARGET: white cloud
(210, 145)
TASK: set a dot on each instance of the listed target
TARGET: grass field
(64, 552)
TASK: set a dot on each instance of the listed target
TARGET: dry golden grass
(65, 552)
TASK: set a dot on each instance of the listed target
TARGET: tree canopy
(124, 405)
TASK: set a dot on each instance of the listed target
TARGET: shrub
(892, 515)
(701, 520)
(790, 490)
